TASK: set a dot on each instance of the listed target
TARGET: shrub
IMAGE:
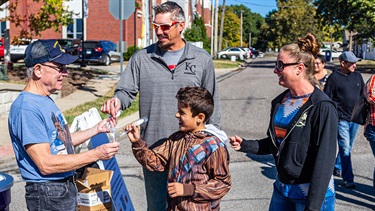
(129, 53)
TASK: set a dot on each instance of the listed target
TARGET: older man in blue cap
(40, 135)
(344, 87)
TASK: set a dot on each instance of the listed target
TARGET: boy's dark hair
(198, 99)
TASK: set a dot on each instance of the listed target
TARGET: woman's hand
(235, 141)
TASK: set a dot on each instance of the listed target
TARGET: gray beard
(164, 46)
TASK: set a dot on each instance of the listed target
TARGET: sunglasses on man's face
(279, 65)
(164, 26)
(59, 69)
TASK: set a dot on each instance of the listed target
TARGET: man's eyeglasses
(279, 65)
(59, 69)
(164, 26)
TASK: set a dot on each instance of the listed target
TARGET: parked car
(2, 48)
(17, 52)
(254, 52)
(261, 54)
(70, 45)
(248, 52)
(99, 51)
(334, 54)
(228, 52)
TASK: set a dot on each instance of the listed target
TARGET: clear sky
(259, 6)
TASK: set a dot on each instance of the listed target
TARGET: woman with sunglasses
(301, 134)
(321, 73)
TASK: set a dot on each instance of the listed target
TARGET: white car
(17, 52)
(261, 54)
(228, 52)
(335, 54)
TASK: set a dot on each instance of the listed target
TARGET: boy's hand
(235, 141)
(175, 189)
(133, 132)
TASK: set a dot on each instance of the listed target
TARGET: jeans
(347, 132)
(370, 136)
(156, 189)
(51, 196)
(282, 203)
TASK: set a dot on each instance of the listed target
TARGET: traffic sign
(128, 8)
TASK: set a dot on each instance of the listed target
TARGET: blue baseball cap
(348, 56)
(50, 50)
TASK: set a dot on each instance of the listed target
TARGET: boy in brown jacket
(196, 159)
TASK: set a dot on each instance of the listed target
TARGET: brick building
(100, 24)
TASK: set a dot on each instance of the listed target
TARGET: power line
(247, 3)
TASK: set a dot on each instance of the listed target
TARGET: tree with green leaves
(252, 23)
(356, 15)
(291, 20)
(231, 32)
(51, 14)
(197, 33)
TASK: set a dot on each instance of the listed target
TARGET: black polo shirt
(344, 90)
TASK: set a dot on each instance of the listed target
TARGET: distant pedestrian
(321, 74)
(370, 123)
(195, 157)
(301, 135)
(344, 87)
(40, 136)
(156, 73)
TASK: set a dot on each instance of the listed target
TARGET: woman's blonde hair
(304, 51)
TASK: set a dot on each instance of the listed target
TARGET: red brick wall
(25, 8)
(100, 24)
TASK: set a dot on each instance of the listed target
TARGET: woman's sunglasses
(279, 65)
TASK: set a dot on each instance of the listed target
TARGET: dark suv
(70, 46)
(99, 51)
(254, 52)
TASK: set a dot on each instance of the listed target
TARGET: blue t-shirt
(35, 119)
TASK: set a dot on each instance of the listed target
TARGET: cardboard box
(94, 190)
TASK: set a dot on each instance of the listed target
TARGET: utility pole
(222, 25)
(212, 27)
(121, 35)
(330, 31)
(249, 39)
(83, 34)
(241, 28)
(216, 27)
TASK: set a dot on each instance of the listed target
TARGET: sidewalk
(92, 90)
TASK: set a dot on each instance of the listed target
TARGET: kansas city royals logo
(189, 68)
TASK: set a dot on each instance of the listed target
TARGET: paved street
(245, 99)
